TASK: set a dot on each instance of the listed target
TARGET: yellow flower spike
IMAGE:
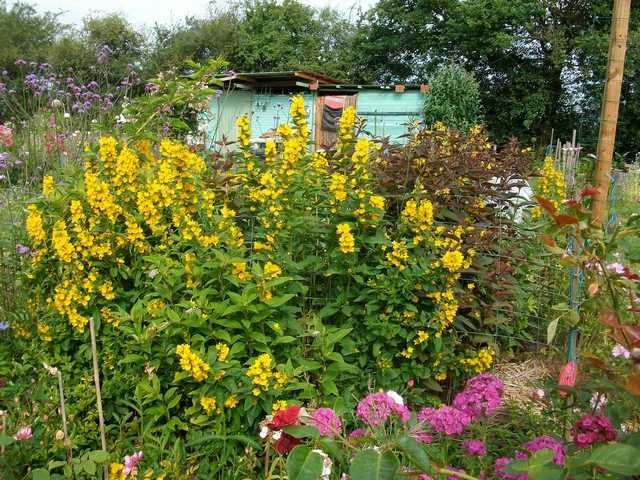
(191, 363)
(345, 238)
(47, 185)
(271, 270)
(209, 404)
(231, 402)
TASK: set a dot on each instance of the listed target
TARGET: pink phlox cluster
(327, 422)
(591, 429)
(376, 408)
(418, 434)
(358, 432)
(540, 443)
(482, 395)
(446, 419)
(475, 447)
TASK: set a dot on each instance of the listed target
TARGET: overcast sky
(148, 12)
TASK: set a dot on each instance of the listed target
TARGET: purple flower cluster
(482, 395)
(540, 443)
(447, 420)
(475, 447)
(591, 429)
(327, 422)
(376, 408)
(532, 446)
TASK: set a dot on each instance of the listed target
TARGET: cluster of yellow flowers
(398, 254)
(190, 362)
(209, 404)
(551, 185)
(47, 185)
(345, 238)
(480, 363)
(261, 372)
(419, 216)
(452, 260)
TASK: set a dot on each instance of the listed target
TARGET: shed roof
(300, 78)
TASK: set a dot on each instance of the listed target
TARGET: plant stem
(67, 440)
(96, 378)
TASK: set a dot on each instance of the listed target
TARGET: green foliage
(453, 98)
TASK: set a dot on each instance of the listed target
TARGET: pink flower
(482, 395)
(358, 432)
(131, 463)
(23, 433)
(475, 447)
(376, 408)
(591, 429)
(447, 420)
(620, 351)
(616, 267)
(500, 473)
(327, 422)
(540, 443)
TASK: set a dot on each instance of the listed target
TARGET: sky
(148, 12)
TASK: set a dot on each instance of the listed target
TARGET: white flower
(59, 435)
(326, 464)
(598, 400)
(67, 115)
(2, 413)
(276, 435)
(152, 273)
(395, 397)
(264, 431)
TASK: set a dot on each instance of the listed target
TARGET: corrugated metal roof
(293, 75)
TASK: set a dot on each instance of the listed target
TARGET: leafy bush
(453, 98)
(219, 294)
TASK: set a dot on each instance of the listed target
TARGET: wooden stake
(63, 414)
(96, 379)
(610, 106)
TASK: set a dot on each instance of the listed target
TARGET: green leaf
(303, 464)
(89, 467)
(98, 456)
(279, 300)
(56, 464)
(372, 465)
(40, 474)
(5, 440)
(551, 330)
(617, 458)
(415, 453)
(302, 431)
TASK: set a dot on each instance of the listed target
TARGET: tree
(453, 98)
(25, 34)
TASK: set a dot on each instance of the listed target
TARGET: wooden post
(96, 378)
(610, 106)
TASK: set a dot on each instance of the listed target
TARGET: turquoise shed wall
(387, 112)
(270, 110)
(223, 112)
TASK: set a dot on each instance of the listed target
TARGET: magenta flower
(482, 395)
(540, 443)
(131, 463)
(475, 447)
(376, 408)
(23, 433)
(500, 473)
(591, 429)
(447, 420)
(454, 477)
(358, 432)
(616, 267)
(327, 422)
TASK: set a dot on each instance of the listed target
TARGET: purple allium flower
(22, 249)
(591, 429)
(151, 87)
(475, 447)
(500, 473)
(375, 409)
(131, 462)
(327, 422)
(540, 443)
(446, 419)
(620, 351)
(23, 433)
(482, 395)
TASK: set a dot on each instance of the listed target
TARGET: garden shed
(265, 97)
